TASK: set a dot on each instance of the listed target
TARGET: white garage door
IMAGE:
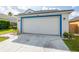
(41, 25)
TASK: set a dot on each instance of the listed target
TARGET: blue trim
(21, 25)
(60, 25)
(43, 16)
(40, 16)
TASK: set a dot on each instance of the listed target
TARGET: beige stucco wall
(65, 23)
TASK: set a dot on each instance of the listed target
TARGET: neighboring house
(12, 19)
(74, 25)
(3, 16)
(9, 18)
(51, 22)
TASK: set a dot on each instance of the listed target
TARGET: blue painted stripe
(42, 16)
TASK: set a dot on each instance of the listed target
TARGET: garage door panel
(42, 25)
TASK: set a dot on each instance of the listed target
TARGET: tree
(10, 13)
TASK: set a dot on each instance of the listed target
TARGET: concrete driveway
(33, 43)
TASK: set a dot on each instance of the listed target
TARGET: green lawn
(73, 44)
(3, 38)
(7, 31)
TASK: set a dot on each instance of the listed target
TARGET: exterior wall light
(64, 18)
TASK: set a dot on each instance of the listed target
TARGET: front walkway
(32, 43)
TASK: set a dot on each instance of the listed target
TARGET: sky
(20, 9)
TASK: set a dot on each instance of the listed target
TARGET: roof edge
(46, 11)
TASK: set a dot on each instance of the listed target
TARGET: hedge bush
(4, 24)
(65, 34)
(68, 35)
(71, 35)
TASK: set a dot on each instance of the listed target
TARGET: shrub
(68, 35)
(65, 34)
(71, 35)
(4, 24)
